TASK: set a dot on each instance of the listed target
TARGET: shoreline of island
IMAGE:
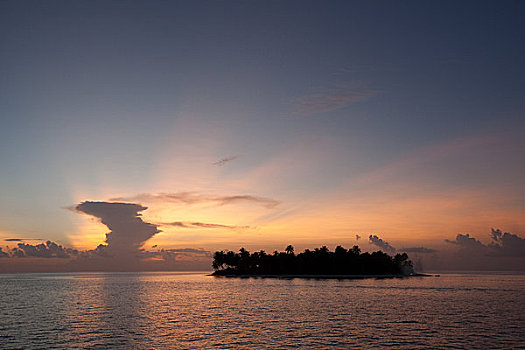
(319, 263)
(313, 276)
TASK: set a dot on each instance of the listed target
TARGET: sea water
(196, 311)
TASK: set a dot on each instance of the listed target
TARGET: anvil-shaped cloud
(128, 231)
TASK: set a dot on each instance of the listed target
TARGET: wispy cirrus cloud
(183, 224)
(190, 198)
(223, 161)
(331, 99)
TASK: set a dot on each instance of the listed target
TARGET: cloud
(466, 242)
(507, 244)
(383, 245)
(503, 244)
(190, 198)
(202, 225)
(175, 254)
(505, 251)
(418, 250)
(43, 250)
(223, 161)
(331, 100)
(128, 231)
(122, 250)
(22, 239)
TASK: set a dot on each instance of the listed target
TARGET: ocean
(196, 311)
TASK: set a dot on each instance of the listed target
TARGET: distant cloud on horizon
(43, 250)
(503, 244)
(505, 251)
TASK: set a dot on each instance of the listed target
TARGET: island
(317, 263)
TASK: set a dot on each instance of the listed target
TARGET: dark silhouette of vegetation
(320, 261)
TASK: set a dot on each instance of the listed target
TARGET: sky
(154, 132)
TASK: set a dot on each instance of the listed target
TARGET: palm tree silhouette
(320, 261)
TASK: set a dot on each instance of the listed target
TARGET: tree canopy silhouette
(320, 261)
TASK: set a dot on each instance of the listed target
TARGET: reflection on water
(171, 310)
(108, 310)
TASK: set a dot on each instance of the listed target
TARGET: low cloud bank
(502, 244)
(508, 244)
(504, 251)
(43, 250)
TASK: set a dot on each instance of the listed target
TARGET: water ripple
(194, 311)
